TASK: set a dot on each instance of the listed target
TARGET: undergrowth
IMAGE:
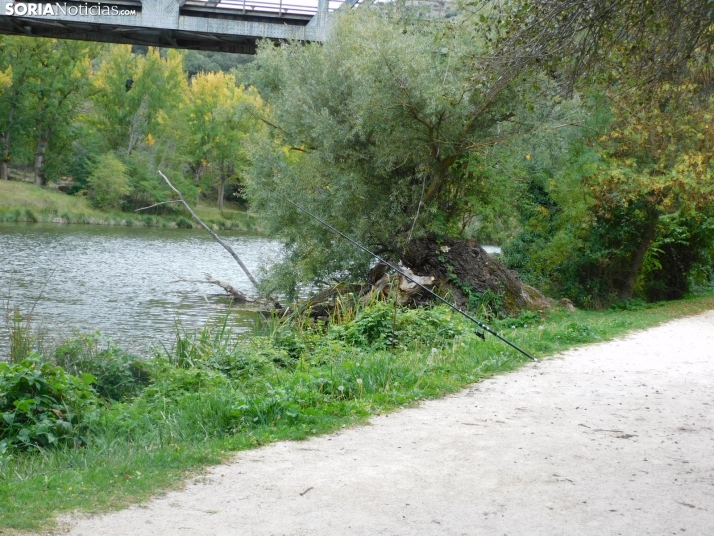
(88, 426)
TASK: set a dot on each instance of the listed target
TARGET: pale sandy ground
(614, 438)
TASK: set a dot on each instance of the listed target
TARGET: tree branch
(236, 294)
(210, 231)
(156, 205)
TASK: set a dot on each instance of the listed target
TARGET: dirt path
(616, 438)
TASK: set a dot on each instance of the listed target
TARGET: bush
(108, 182)
(173, 383)
(43, 406)
(118, 375)
(382, 325)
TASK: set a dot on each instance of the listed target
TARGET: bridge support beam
(189, 24)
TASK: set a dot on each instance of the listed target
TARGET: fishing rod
(480, 324)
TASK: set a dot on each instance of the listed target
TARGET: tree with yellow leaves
(218, 121)
(136, 94)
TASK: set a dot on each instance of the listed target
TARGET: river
(120, 280)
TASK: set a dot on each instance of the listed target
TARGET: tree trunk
(139, 120)
(221, 187)
(4, 162)
(197, 171)
(42, 143)
(638, 258)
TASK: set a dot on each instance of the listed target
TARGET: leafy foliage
(376, 131)
(217, 124)
(630, 210)
(108, 183)
(118, 375)
(43, 406)
(383, 325)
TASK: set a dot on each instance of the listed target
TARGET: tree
(108, 183)
(629, 210)
(57, 92)
(217, 123)
(136, 95)
(136, 111)
(634, 43)
(24, 56)
(375, 131)
(642, 212)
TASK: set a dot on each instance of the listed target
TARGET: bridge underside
(229, 26)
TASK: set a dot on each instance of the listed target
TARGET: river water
(120, 280)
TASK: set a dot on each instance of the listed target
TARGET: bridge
(214, 25)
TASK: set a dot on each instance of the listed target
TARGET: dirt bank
(615, 438)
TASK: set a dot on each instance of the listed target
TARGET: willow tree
(381, 131)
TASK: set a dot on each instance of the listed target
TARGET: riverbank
(210, 396)
(23, 202)
(608, 439)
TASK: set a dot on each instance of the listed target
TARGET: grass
(213, 395)
(25, 202)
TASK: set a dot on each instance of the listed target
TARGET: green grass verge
(301, 384)
(25, 202)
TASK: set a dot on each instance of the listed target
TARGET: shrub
(108, 182)
(381, 325)
(43, 406)
(118, 375)
(171, 382)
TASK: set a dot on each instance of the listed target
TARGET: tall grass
(20, 335)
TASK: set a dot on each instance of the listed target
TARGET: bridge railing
(279, 7)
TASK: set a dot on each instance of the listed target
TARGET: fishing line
(480, 324)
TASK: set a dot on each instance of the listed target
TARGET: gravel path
(614, 438)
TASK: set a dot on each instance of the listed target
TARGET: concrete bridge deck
(215, 25)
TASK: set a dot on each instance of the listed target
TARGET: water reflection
(122, 281)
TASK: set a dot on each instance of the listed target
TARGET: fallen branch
(236, 294)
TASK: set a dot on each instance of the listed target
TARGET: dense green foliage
(403, 126)
(110, 117)
(44, 406)
(626, 210)
(74, 374)
(69, 397)
(385, 131)
(116, 375)
(108, 183)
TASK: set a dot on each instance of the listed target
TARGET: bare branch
(210, 231)
(156, 205)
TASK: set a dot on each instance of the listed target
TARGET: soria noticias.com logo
(62, 8)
